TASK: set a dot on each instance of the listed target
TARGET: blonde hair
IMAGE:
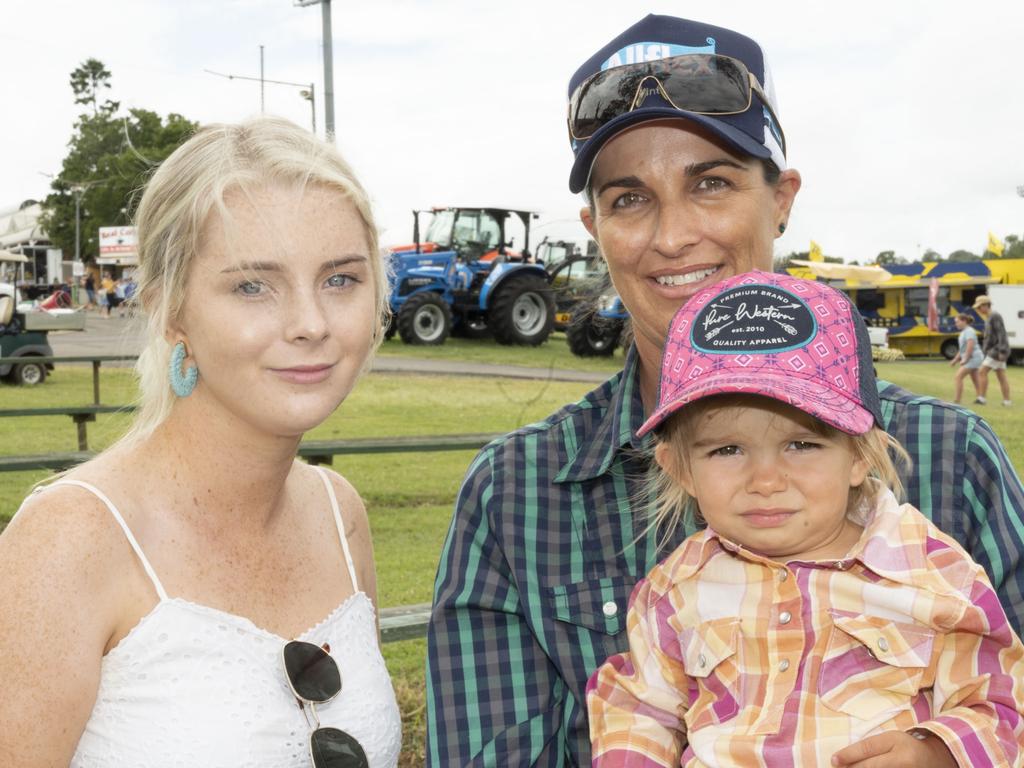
(673, 505)
(178, 200)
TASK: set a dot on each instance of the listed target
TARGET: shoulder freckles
(64, 520)
(353, 510)
(63, 545)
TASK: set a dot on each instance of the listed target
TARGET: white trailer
(1008, 301)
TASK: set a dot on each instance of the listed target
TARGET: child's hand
(895, 749)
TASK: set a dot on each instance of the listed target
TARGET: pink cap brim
(832, 406)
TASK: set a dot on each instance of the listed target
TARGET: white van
(1008, 301)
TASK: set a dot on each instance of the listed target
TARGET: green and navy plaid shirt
(545, 548)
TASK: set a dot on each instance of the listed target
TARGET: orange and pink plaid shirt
(737, 660)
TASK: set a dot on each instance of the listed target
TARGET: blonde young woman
(152, 595)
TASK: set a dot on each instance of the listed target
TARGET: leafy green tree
(931, 255)
(889, 257)
(964, 255)
(109, 158)
(87, 80)
(1013, 247)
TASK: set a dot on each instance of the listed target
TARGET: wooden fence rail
(96, 361)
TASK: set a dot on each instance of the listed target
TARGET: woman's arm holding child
(634, 700)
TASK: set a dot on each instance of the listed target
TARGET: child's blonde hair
(877, 448)
(192, 184)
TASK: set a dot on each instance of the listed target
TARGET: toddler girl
(815, 621)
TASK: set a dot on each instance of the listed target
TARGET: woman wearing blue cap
(682, 157)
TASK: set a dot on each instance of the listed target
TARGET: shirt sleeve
(978, 693)
(994, 498)
(636, 700)
(493, 696)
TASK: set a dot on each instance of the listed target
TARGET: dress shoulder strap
(341, 525)
(124, 527)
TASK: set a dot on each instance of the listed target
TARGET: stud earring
(182, 383)
(782, 228)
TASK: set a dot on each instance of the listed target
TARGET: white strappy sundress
(194, 687)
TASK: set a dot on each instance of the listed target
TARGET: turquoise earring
(182, 383)
(782, 228)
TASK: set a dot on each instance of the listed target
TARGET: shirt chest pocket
(711, 660)
(596, 604)
(873, 667)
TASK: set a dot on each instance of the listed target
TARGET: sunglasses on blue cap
(700, 83)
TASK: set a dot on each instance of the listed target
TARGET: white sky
(905, 117)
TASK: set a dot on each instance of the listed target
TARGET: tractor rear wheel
(593, 336)
(523, 312)
(425, 319)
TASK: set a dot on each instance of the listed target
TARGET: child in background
(815, 621)
(968, 356)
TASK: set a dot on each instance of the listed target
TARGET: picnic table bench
(404, 622)
(80, 415)
(313, 451)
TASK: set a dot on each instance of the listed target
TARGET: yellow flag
(815, 254)
(995, 245)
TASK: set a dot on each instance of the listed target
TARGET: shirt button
(783, 574)
(783, 665)
(840, 565)
(883, 644)
(702, 661)
(610, 608)
(785, 617)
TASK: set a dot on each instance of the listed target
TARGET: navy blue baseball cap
(753, 132)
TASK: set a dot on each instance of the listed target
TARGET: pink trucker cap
(763, 333)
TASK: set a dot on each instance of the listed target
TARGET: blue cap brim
(732, 135)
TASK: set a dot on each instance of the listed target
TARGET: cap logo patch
(753, 318)
(638, 52)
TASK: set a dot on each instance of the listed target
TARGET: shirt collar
(893, 545)
(616, 430)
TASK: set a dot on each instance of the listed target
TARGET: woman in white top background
(149, 593)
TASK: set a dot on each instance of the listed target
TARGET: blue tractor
(463, 277)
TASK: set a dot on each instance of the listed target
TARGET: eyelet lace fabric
(191, 686)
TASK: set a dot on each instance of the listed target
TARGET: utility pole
(261, 80)
(325, 8)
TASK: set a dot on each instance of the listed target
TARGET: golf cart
(24, 332)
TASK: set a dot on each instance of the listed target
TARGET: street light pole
(77, 190)
(311, 96)
(325, 7)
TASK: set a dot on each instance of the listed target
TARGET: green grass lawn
(554, 353)
(409, 496)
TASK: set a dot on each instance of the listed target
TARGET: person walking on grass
(996, 349)
(968, 356)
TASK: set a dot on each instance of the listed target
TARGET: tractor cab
(465, 275)
(476, 234)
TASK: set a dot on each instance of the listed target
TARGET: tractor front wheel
(425, 319)
(523, 312)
